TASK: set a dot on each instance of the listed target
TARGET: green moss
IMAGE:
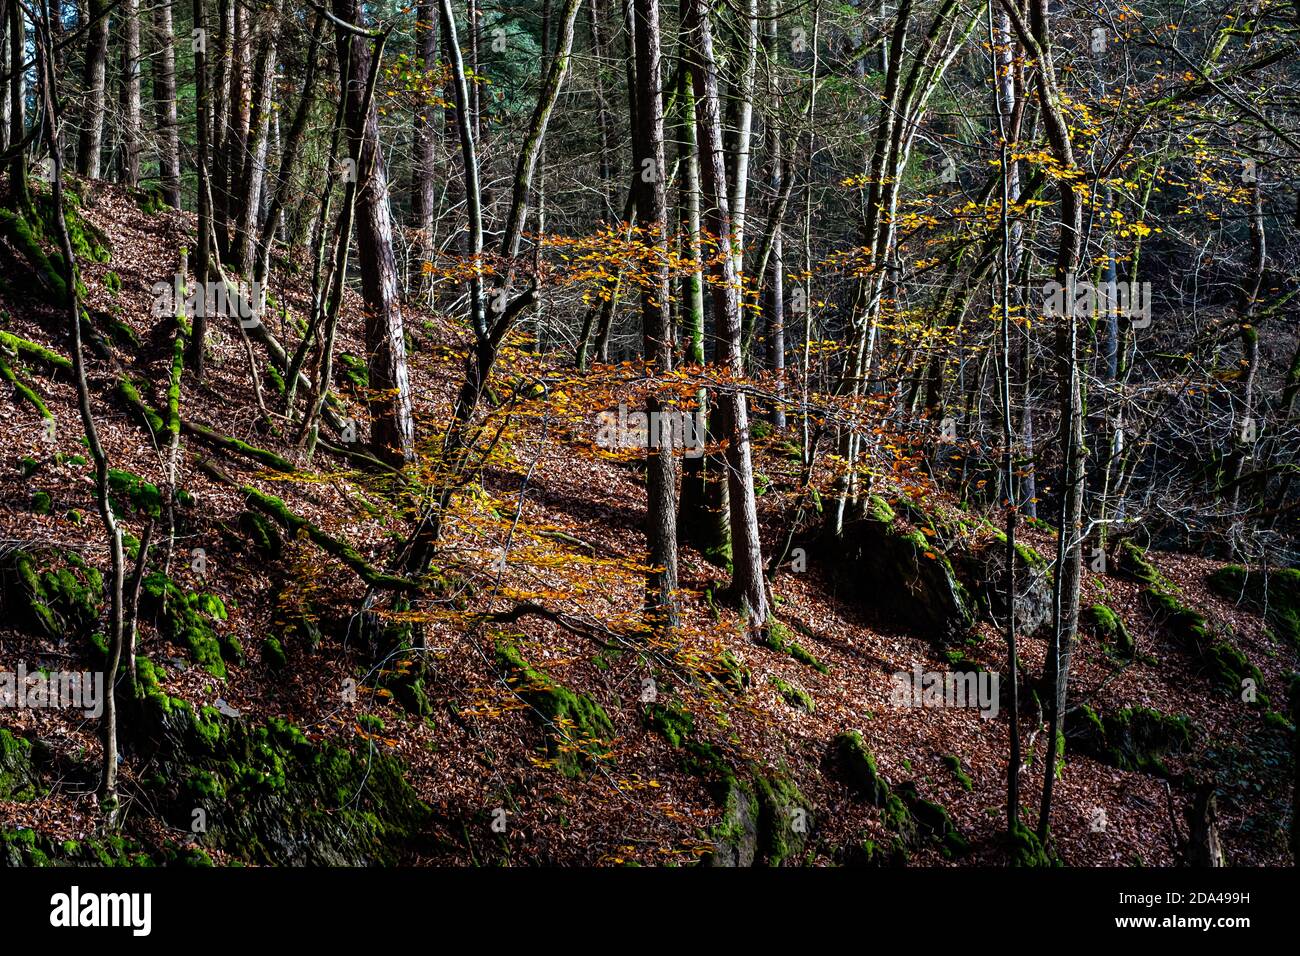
(673, 721)
(1135, 566)
(63, 597)
(784, 818)
(42, 503)
(578, 729)
(728, 671)
(273, 654)
(371, 723)
(274, 797)
(186, 618)
(130, 493)
(354, 372)
(129, 393)
(17, 776)
(262, 533)
(1230, 669)
(1026, 850)
(1227, 665)
(793, 695)
(777, 637)
(932, 821)
(26, 349)
(25, 391)
(1110, 628)
(1135, 738)
(953, 763)
(412, 695)
(1273, 593)
(858, 766)
(878, 509)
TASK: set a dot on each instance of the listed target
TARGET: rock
(904, 572)
(1135, 738)
(736, 837)
(985, 571)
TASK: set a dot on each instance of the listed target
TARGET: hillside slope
(514, 711)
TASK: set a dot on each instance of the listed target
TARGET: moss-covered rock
(263, 534)
(1136, 566)
(904, 571)
(672, 720)
(1026, 850)
(51, 592)
(929, 820)
(778, 637)
(578, 730)
(984, 569)
(18, 779)
(793, 694)
(188, 618)
(267, 793)
(1109, 628)
(953, 763)
(1227, 665)
(857, 766)
(1135, 738)
(1275, 593)
(273, 655)
(766, 820)
(130, 494)
(729, 671)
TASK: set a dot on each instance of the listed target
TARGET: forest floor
(574, 547)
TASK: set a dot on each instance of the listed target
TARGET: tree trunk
(652, 218)
(131, 126)
(163, 72)
(748, 584)
(92, 81)
(392, 429)
(424, 166)
(253, 177)
(195, 347)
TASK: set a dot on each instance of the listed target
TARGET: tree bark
(652, 218)
(748, 583)
(392, 429)
(163, 72)
(92, 79)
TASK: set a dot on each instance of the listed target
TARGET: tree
(652, 220)
(167, 119)
(748, 582)
(392, 428)
(93, 80)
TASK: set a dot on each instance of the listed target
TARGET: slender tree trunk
(112, 532)
(652, 218)
(131, 111)
(1036, 37)
(92, 81)
(17, 118)
(748, 583)
(424, 167)
(253, 176)
(197, 344)
(392, 428)
(163, 72)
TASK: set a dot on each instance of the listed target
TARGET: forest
(735, 433)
